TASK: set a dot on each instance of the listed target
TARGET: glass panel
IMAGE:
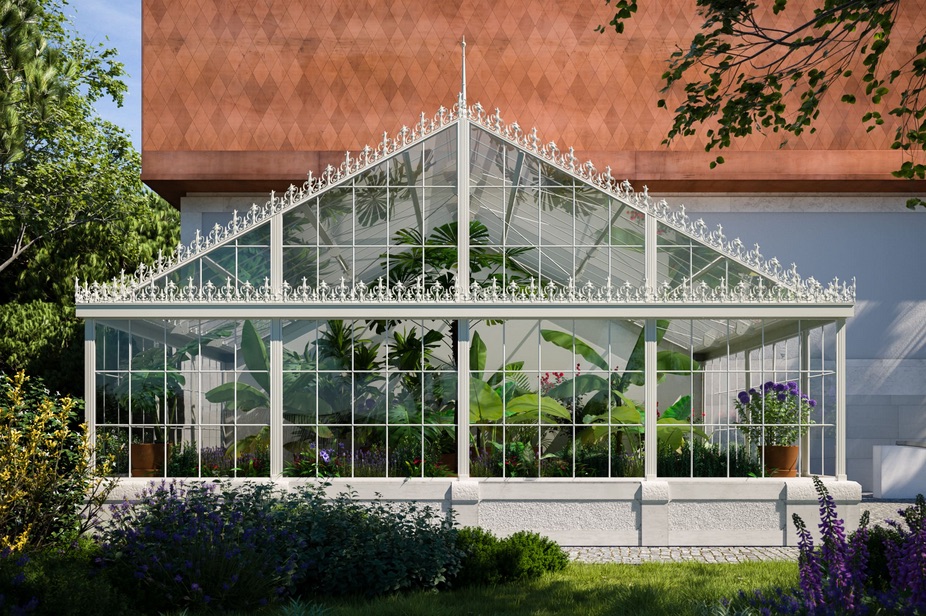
(252, 451)
(334, 263)
(371, 209)
(218, 266)
(488, 207)
(259, 236)
(522, 446)
(556, 216)
(253, 266)
(440, 393)
(440, 209)
(592, 218)
(440, 156)
(556, 447)
(300, 225)
(487, 159)
(335, 219)
(523, 217)
(300, 265)
(300, 451)
(485, 452)
(112, 446)
(407, 214)
(112, 399)
(556, 265)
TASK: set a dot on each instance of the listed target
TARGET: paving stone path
(637, 555)
(879, 511)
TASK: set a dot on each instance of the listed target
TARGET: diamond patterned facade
(244, 95)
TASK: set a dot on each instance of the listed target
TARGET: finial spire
(462, 101)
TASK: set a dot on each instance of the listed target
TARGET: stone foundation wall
(588, 512)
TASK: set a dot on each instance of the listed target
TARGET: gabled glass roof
(540, 226)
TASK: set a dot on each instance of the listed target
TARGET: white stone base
(621, 512)
(898, 471)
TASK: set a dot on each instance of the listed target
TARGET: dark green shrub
(522, 556)
(369, 548)
(527, 555)
(59, 581)
(481, 563)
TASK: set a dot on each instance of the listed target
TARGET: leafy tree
(72, 204)
(747, 71)
(32, 74)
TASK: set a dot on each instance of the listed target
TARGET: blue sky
(119, 21)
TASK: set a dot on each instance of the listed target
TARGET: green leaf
(680, 409)
(570, 342)
(485, 406)
(579, 386)
(255, 355)
(477, 355)
(243, 396)
(526, 407)
(673, 361)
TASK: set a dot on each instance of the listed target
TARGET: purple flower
(811, 403)
(782, 397)
(325, 456)
(743, 397)
(768, 385)
(779, 387)
(753, 392)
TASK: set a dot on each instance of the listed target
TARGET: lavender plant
(838, 576)
(906, 559)
(203, 546)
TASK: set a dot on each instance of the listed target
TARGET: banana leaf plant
(300, 382)
(600, 400)
(316, 392)
(672, 428)
(505, 396)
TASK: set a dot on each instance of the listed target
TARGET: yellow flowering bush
(49, 488)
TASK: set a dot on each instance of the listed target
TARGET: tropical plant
(316, 394)
(601, 402)
(505, 398)
(774, 414)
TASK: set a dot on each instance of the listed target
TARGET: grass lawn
(674, 589)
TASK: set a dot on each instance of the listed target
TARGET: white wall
(881, 243)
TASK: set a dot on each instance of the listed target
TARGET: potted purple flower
(773, 417)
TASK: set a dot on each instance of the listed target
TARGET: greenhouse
(580, 359)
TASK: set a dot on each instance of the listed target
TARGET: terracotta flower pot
(449, 461)
(147, 459)
(780, 460)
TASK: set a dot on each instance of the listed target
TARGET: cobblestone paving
(637, 555)
(880, 510)
(884, 510)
